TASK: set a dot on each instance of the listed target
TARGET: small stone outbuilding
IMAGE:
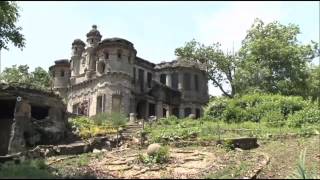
(30, 117)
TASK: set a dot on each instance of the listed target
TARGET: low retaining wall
(66, 149)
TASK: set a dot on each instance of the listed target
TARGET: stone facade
(30, 117)
(107, 76)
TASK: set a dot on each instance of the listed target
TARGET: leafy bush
(310, 115)
(87, 127)
(256, 107)
(273, 119)
(34, 169)
(162, 156)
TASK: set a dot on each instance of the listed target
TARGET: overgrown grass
(302, 172)
(74, 167)
(99, 125)
(230, 172)
(29, 169)
(172, 129)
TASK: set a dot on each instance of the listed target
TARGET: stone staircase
(131, 131)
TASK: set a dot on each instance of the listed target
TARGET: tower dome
(93, 36)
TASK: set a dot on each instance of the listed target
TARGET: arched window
(101, 67)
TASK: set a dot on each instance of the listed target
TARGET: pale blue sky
(155, 28)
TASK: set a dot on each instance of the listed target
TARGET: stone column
(169, 111)
(132, 118)
(168, 80)
(159, 107)
(180, 81)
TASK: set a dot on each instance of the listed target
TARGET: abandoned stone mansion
(108, 76)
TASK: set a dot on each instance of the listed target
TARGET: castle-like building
(107, 76)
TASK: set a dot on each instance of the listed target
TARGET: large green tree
(20, 76)
(273, 60)
(9, 32)
(220, 67)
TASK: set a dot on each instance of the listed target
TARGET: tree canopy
(271, 60)
(19, 75)
(220, 66)
(9, 32)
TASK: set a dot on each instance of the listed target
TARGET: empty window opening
(106, 55)
(62, 73)
(152, 109)
(75, 108)
(119, 53)
(163, 78)
(186, 81)
(174, 81)
(196, 83)
(101, 67)
(129, 59)
(134, 76)
(141, 79)
(39, 112)
(149, 79)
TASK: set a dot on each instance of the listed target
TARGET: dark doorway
(197, 113)
(6, 120)
(39, 112)
(175, 112)
(152, 109)
(187, 112)
(141, 109)
(164, 112)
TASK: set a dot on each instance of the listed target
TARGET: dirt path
(197, 162)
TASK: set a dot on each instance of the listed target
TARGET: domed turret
(93, 36)
(77, 47)
(61, 74)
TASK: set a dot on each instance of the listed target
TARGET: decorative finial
(94, 26)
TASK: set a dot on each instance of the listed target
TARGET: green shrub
(215, 108)
(310, 115)
(162, 156)
(34, 169)
(87, 127)
(255, 107)
(273, 119)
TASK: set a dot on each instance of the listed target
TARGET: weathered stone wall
(38, 118)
